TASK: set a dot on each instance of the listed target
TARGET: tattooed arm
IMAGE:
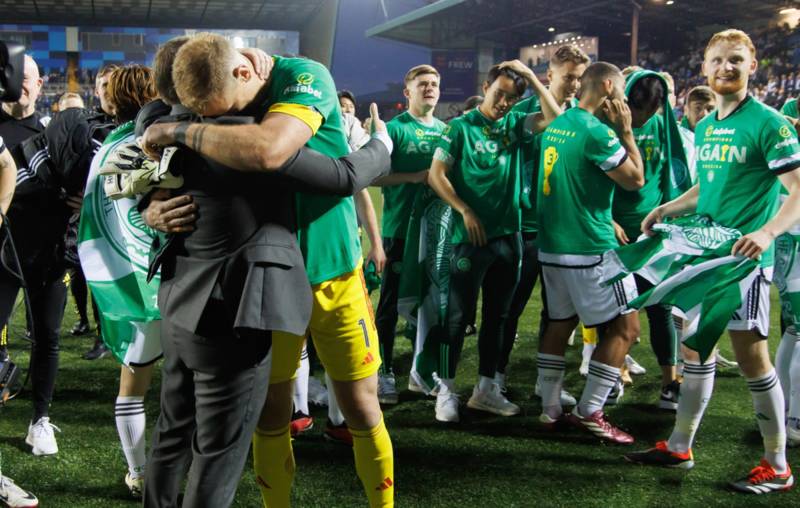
(260, 147)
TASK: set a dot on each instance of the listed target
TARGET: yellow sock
(589, 335)
(375, 464)
(273, 461)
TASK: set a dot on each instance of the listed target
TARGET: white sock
(794, 381)
(485, 384)
(783, 362)
(499, 378)
(768, 405)
(130, 418)
(698, 383)
(599, 382)
(550, 376)
(335, 415)
(301, 384)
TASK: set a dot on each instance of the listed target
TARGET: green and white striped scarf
(425, 284)
(689, 262)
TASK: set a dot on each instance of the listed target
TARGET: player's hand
(520, 68)
(156, 137)
(374, 123)
(474, 227)
(619, 114)
(752, 245)
(377, 255)
(622, 238)
(654, 217)
(75, 202)
(262, 62)
(421, 177)
(170, 215)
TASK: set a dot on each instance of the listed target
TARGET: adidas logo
(762, 416)
(368, 359)
(385, 484)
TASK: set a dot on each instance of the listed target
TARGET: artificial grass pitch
(484, 461)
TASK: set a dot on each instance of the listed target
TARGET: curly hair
(129, 88)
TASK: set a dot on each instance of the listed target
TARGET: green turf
(484, 461)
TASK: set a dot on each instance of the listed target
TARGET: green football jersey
(414, 143)
(574, 193)
(530, 160)
(484, 169)
(327, 225)
(630, 207)
(738, 163)
(685, 123)
(790, 108)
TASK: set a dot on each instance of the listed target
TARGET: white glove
(128, 172)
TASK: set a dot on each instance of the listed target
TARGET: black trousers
(80, 291)
(386, 314)
(48, 297)
(212, 391)
(530, 271)
(663, 338)
(494, 268)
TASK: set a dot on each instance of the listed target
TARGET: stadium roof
(454, 24)
(241, 14)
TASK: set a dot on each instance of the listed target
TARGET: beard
(733, 85)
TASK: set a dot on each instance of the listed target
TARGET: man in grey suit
(231, 276)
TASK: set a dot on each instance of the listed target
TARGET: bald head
(603, 79)
(31, 86)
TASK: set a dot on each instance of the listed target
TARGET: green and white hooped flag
(114, 245)
(689, 262)
(425, 285)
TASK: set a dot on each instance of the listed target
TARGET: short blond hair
(70, 100)
(732, 35)
(569, 53)
(419, 70)
(668, 78)
(202, 69)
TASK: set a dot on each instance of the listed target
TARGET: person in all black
(52, 167)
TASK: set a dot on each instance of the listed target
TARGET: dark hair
(347, 94)
(647, 94)
(162, 68)
(473, 102)
(496, 71)
(599, 72)
(700, 93)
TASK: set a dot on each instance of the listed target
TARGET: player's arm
(536, 122)
(630, 173)
(256, 147)
(683, 204)
(437, 179)
(369, 221)
(8, 178)
(788, 215)
(401, 178)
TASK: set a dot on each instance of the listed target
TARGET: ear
(703, 70)
(242, 72)
(753, 65)
(485, 87)
(406, 93)
(549, 75)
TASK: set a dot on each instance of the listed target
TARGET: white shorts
(754, 312)
(146, 346)
(576, 290)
